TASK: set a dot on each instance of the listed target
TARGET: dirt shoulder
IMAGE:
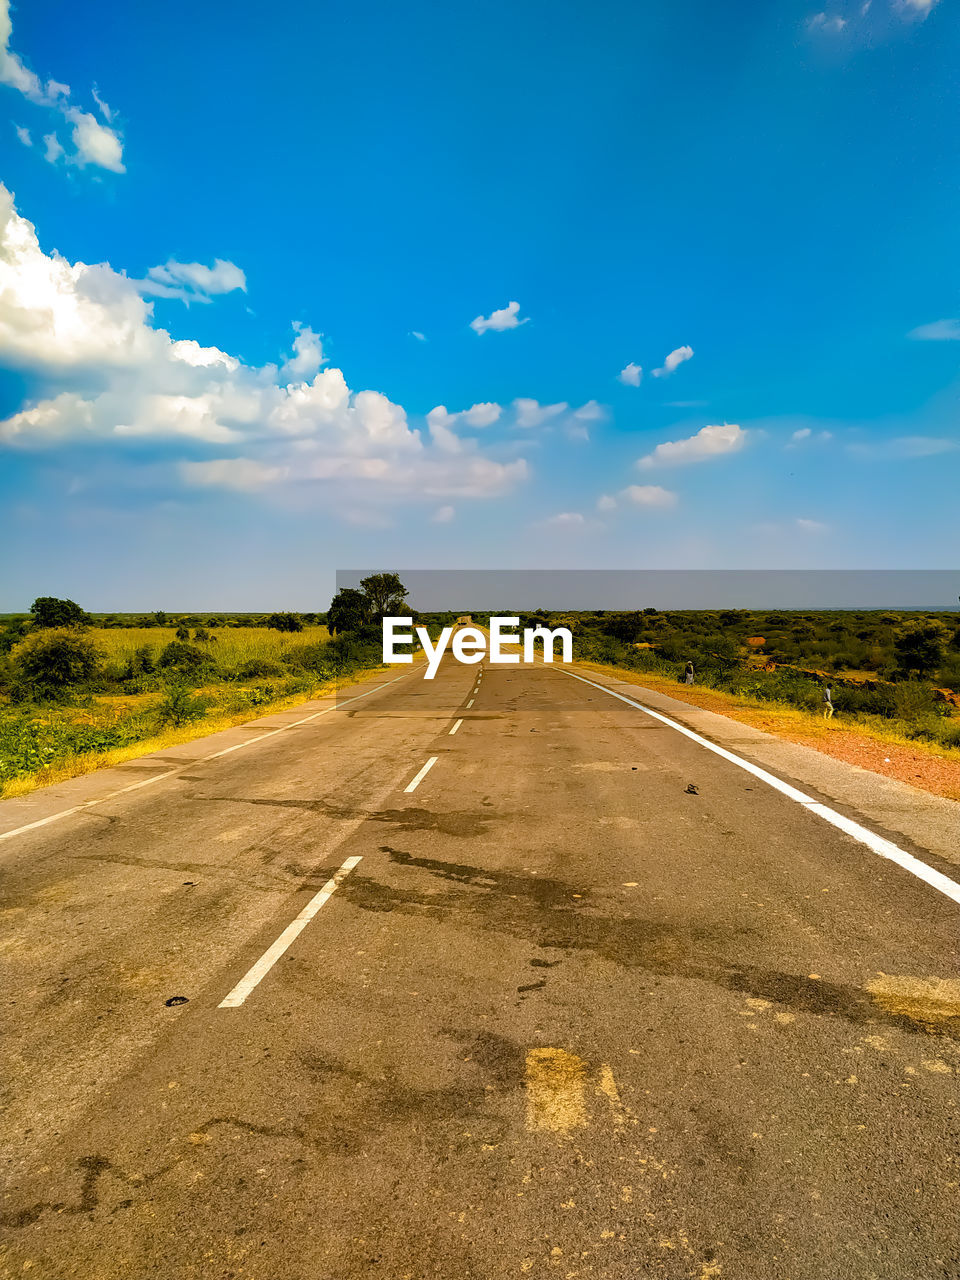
(928, 768)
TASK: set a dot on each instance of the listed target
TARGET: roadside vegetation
(79, 690)
(895, 673)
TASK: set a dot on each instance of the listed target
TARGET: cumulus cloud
(531, 413)
(192, 281)
(308, 354)
(937, 331)
(805, 435)
(673, 361)
(24, 135)
(507, 317)
(442, 425)
(93, 143)
(649, 495)
(631, 375)
(709, 442)
(606, 502)
(102, 373)
(590, 412)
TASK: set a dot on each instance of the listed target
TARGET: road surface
(584, 998)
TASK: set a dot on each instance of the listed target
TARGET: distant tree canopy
(349, 611)
(380, 596)
(285, 622)
(385, 594)
(48, 611)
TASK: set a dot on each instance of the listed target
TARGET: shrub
(257, 668)
(285, 622)
(50, 665)
(180, 705)
(184, 657)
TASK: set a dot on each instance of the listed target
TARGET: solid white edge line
(455, 728)
(878, 844)
(412, 786)
(158, 777)
(270, 957)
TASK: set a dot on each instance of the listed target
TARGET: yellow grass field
(229, 645)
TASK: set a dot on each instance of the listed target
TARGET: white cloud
(103, 374)
(631, 375)
(193, 282)
(105, 111)
(420, 337)
(531, 413)
(443, 515)
(673, 361)
(481, 415)
(52, 148)
(810, 526)
(824, 22)
(937, 331)
(915, 8)
(94, 143)
(24, 135)
(564, 520)
(308, 355)
(649, 495)
(709, 442)
(506, 318)
(606, 502)
(590, 412)
(806, 434)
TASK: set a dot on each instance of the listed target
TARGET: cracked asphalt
(567, 1016)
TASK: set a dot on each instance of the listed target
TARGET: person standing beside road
(827, 703)
(688, 674)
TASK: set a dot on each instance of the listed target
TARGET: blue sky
(766, 193)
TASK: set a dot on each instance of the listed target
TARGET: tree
(385, 594)
(285, 622)
(183, 632)
(160, 618)
(918, 647)
(50, 663)
(349, 611)
(48, 611)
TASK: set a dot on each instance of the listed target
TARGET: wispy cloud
(905, 447)
(673, 361)
(564, 520)
(631, 375)
(507, 317)
(443, 515)
(826, 22)
(94, 143)
(709, 442)
(937, 331)
(420, 337)
(531, 413)
(192, 281)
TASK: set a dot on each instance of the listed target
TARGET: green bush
(184, 657)
(51, 666)
(180, 705)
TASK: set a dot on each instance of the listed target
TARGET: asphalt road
(590, 1001)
